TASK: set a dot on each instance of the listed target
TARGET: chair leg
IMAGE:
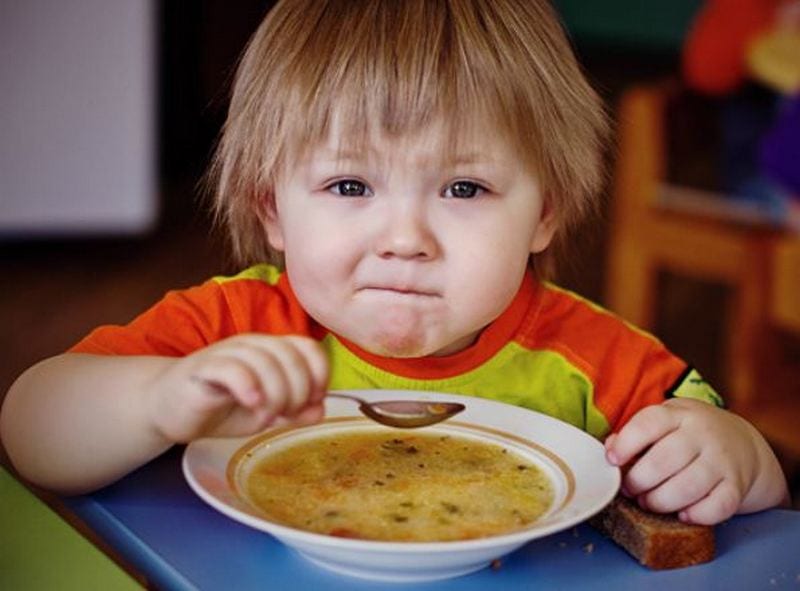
(746, 344)
(631, 289)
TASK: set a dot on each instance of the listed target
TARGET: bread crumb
(575, 533)
(496, 564)
(564, 545)
(588, 548)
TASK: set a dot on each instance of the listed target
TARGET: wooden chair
(658, 227)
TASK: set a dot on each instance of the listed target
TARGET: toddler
(398, 178)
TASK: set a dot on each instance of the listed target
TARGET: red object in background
(716, 43)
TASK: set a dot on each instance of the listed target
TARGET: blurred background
(110, 111)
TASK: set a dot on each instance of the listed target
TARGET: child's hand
(238, 386)
(702, 461)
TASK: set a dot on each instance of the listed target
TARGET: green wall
(656, 25)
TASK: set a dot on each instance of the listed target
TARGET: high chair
(657, 227)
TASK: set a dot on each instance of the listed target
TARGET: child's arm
(77, 422)
(702, 461)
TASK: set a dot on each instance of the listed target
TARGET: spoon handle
(348, 396)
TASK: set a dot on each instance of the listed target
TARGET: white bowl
(575, 462)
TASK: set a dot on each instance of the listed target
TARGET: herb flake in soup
(396, 486)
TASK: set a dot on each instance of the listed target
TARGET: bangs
(358, 69)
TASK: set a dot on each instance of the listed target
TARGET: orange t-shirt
(549, 351)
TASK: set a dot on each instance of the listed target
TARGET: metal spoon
(405, 414)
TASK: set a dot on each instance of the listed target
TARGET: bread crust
(657, 541)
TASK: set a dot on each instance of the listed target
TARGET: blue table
(158, 525)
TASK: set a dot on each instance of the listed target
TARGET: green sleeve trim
(690, 384)
(269, 274)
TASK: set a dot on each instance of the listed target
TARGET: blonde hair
(400, 64)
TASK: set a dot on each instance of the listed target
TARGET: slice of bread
(657, 541)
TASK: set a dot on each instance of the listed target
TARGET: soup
(396, 486)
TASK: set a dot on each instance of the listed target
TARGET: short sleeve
(182, 322)
(259, 299)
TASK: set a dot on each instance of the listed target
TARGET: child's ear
(546, 229)
(271, 222)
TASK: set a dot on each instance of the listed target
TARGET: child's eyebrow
(333, 155)
(348, 155)
(472, 158)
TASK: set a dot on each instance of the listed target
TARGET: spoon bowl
(405, 414)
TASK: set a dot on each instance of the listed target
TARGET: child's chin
(410, 344)
(402, 345)
(399, 350)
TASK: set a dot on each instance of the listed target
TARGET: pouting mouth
(400, 290)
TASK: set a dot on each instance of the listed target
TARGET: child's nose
(407, 234)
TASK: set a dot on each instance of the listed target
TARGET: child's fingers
(720, 504)
(223, 378)
(298, 373)
(278, 373)
(308, 416)
(242, 421)
(291, 370)
(317, 363)
(645, 428)
(267, 376)
(311, 414)
(662, 460)
(683, 489)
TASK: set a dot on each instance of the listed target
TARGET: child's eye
(463, 190)
(349, 188)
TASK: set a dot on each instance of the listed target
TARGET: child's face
(402, 253)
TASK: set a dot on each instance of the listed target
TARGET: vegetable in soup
(396, 486)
